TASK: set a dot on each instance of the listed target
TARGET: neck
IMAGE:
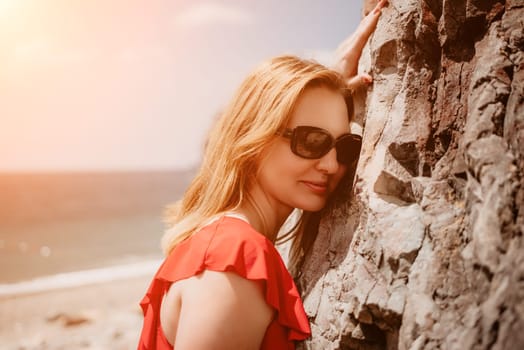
(265, 216)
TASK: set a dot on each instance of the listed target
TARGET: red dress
(229, 244)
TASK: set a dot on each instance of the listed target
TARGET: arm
(221, 310)
(351, 49)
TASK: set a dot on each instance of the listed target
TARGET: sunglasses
(313, 143)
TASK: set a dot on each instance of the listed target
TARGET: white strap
(231, 214)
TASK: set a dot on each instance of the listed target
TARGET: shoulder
(227, 244)
(230, 232)
(235, 246)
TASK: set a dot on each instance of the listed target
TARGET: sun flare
(6, 6)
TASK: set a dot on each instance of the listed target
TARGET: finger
(358, 81)
(369, 23)
(380, 5)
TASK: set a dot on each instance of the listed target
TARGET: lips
(317, 187)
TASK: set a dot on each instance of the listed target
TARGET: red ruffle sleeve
(230, 245)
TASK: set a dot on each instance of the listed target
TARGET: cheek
(280, 162)
(280, 167)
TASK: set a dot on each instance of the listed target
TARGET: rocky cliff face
(427, 250)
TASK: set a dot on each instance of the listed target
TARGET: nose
(328, 163)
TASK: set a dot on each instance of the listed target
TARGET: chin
(312, 205)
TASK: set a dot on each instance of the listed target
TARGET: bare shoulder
(219, 310)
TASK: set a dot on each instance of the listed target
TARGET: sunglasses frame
(292, 135)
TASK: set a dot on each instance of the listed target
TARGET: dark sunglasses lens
(348, 149)
(312, 143)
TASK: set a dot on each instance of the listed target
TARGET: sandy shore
(98, 316)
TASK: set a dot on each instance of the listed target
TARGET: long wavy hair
(260, 108)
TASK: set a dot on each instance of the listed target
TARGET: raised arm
(350, 50)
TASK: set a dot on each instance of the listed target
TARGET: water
(55, 223)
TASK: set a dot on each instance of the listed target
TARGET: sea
(71, 228)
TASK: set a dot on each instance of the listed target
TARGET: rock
(70, 320)
(427, 251)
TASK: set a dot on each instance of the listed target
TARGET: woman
(282, 143)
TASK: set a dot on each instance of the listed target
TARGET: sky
(135, 84)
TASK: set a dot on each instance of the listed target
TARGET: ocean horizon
(79, 278)
(58, 227)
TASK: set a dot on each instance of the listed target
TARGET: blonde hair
(261, 106)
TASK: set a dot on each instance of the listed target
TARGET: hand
(351, 49)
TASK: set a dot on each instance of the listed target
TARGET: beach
(98, 316)
(78, 251)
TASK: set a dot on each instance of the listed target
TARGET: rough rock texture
(427, 252)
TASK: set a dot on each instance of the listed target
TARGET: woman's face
(294, 182)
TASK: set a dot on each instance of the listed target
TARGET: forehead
(323, 108)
